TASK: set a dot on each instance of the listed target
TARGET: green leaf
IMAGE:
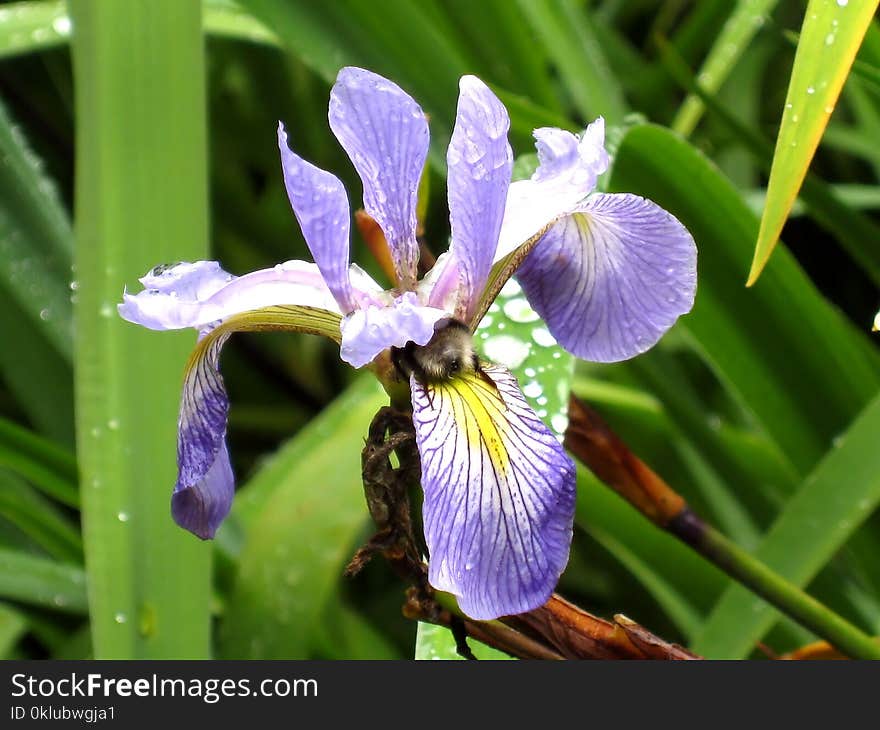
(13, 625)
(301, 514)
(834, 500)
(26, 27)
(830, 38)
(35, 311)
(753, 338)
(570, 37)
(346, 634)
(857, 233)
(38, 25)
(747, 18)
(47, 466)
(40, 582)
(39, 519)
(436, 642)
(141, 192)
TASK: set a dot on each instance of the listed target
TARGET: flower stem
(772, 587)
(591, 440)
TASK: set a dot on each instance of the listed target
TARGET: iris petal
(201, 294)
(205, 484)
(370, 330)
(385, 133)
(499, 494)
(320, 204)
(479, 160)
(611, 278)
(567, 173)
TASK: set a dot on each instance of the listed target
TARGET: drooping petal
(200, 294)
(479, 160)
(612, 277)
(205, 484)
(567, 172)
(385, 133)
(320, 204)
(370, 330)
(499, 494)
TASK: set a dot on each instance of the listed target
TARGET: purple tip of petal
(499, 502)
(479, 160)
(201, 507)
(367, 332)
(205, 485)
(611, 278)
(385, 133)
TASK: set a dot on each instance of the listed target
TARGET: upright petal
(201, 294)
(385, 134)
(567, 172)
(203, 493)
(612, 277)
(499, 494)
(479, 161)
(320, 204)
(370, 330)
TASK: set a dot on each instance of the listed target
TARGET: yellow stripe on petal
(478, 412)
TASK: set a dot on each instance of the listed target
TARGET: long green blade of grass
(141, 192)
(40, 582)
(745, 21)
(570, 39)
(47, 466)
(35, 314)
(830, 38)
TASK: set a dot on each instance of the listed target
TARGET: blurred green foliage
(760, 407)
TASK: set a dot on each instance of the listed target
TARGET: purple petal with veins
(385, 133)
(479, 160)
(611, 278)
(320, 204)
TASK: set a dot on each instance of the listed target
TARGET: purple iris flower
(609, 274)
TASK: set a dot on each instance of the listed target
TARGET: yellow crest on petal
(479, 413)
